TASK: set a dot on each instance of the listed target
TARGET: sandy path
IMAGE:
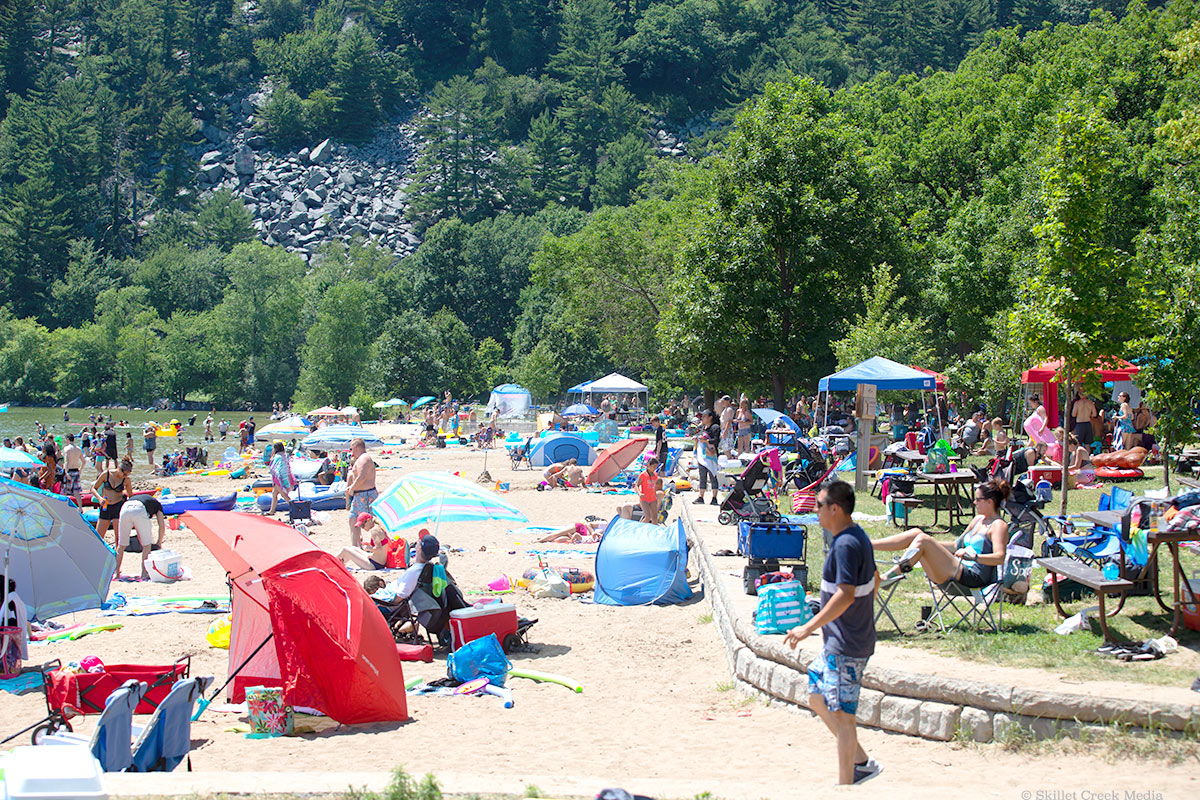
(656, 714)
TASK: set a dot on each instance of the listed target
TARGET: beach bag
(804, 502)
(479, 658)
(781, 607)
(548, 583)
(936, 462)
(10, 651)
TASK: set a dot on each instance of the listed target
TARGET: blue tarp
(639, 564)
(769, 415)
(559, 447)
(881, 372)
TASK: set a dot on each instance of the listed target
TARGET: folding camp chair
(981, 608)
(166, 740)
(520, 454)
(111, 742)
(883, 596)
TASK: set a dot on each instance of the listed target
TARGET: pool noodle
(547, 677)
(499, 691)
(413, 682)
(76, 633)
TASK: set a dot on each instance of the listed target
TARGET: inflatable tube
(321, 501)
(1119, 473)
(1035, 427)
(1121, 459)
(499, 691)
(546, 677)
(176, 504)
(580, 580)
(167, 432)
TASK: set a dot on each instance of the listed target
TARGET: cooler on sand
(468, 624)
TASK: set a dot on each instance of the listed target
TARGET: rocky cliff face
(330, 191)
(335, 192)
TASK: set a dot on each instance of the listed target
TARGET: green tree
(139, 356)
(336, 346)
(884, 328)
(796, 217)
(88, 274)
(224, 221)
(1080, 273)
(453, 172)
(176, 167)
(404, 358)
(540, 372)
(34, 243)
(620, 170)
(281, 118)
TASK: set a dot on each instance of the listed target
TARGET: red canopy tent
(1048, 373)
(268, 564)
(940, 379)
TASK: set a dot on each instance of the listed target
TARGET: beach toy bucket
(164, 566)
(268, 714)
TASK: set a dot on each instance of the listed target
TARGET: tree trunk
(1166, 462)
(777, 388)
(1066, 462)
(710, 398)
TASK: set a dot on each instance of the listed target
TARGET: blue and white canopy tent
(511, 400)
(338, 437)
(882, 373)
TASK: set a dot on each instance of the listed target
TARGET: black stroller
(748, 500)
(808, 466)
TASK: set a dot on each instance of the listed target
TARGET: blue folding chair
(166, 739)
(111, 742)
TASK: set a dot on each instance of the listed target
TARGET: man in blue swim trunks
(360, 487)
(847, 622)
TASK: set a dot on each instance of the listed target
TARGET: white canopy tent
(615, 383)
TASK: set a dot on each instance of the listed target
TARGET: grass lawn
(1027, 637)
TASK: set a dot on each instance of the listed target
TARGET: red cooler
(468, 624)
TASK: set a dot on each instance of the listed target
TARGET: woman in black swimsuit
(111, 488)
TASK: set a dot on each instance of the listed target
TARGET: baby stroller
(808, 467)
(748, 500)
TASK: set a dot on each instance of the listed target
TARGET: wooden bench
(1092, 578)
(905, 503)
(1190, 483)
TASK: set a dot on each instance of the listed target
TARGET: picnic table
(1190, 483)
(1121, 521)
(954, 487)
(1180, 584)
(1092, 578)
(903, 458)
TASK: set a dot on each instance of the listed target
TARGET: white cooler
(53, 773)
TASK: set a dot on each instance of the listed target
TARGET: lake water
(20, 421)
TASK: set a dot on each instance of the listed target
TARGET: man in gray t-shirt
(847, 621)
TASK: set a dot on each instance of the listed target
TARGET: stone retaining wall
(929, 706)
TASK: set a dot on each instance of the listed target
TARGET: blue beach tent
(638, 564)
(882, 372)
(558, 447)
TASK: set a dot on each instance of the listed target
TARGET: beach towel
(22, 683)
(281, 473)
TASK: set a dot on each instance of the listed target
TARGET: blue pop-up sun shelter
(882, 373)
(556, 447)
(638, 564)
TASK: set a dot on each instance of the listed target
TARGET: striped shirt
(851, 560)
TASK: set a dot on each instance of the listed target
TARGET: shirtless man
(73, 461)
(360, 487)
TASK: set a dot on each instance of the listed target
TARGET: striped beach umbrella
(424, 497)
(338, 437)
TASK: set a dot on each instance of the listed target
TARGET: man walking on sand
(73, 460)
(360, 487)
(847, 621)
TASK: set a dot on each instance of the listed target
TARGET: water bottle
(1111, 571)
(1044, 491)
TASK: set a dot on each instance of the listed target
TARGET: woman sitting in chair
(974, 559)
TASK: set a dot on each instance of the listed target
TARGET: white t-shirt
(408, 581)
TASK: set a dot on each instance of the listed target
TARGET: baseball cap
(430, 547)
(362, 519)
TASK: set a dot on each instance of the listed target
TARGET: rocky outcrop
(332, 191)
(304, 199)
